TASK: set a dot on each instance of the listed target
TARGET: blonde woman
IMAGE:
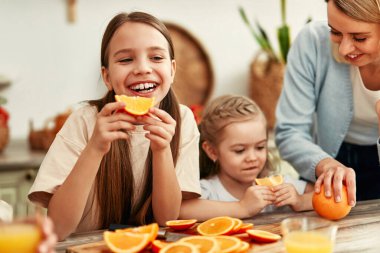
(327, 126)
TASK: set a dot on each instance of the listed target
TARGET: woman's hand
(286, 194)
(111, 125)
(257, 197)
(161, 127)
(330, 173)
(49, 238)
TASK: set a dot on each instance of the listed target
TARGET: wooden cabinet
(18, 169)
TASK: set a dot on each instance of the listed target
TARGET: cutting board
(93, 247)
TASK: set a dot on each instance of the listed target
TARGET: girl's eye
(126, 60)
(157, 58)
(239, 151)
(261, 148)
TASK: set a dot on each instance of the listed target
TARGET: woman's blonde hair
(114, 183)
(219, 113)
(361, 10)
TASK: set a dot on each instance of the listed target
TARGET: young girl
(106, 167)
(234, 152)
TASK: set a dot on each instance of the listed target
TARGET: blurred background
(50, 55)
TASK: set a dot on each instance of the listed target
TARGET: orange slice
(270, 181)
(243, 248)
(181, 224)
(328, 208)
(125, 242)
(262, 236)
(182, 247)
(151, 229)
(238, 224)
(244, 227)
(157, 245)
(228, 243)
(216, 226)
(136, 105)
(205, 244)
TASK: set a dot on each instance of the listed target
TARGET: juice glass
(19, 237)
(308, 235)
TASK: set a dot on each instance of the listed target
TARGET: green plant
(261, 37)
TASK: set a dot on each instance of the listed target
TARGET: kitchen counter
(357, 232)
(18, 156)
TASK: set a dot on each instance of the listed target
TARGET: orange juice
(308, 241)
(19, 237)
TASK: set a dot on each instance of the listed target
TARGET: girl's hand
(111, 125)
(257, 197)
(49, 238)
(161, 127)
(331, 172)
(286, 194)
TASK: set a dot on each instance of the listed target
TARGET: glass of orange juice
(308, 234)
(16, 237)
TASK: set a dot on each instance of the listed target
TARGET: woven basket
(4, 137)
(266, 85)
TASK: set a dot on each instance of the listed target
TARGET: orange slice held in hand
(136, 105)
(262, 236)
(270, 181)
(126, 242)
(328, 208)
(181, 224)
(217, 226)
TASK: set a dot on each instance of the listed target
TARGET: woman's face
(359, 42)
(139, 62)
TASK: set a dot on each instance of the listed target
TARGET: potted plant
(267, 68)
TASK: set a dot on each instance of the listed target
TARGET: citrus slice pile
(328, 208)
(181, 224)
(262, 236)
(270, 181)
(217, 226)
(131, 240)
(136, 105)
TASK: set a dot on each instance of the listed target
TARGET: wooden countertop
(358, 232)
(17, 156)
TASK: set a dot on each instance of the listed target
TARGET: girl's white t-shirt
(213, 189)
(73, 138)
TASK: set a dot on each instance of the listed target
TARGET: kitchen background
(53, 64)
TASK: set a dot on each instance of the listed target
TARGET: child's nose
(142, 67)
(251, 156)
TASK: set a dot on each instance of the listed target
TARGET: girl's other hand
(257, 197)
(111, 125)
(332, 174)
(286, 194)
(161, 127)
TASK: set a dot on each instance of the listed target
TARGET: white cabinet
(18, 168)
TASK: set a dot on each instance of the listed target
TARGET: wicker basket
(266, 85)
(4, 137)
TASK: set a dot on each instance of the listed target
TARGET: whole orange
(328, 208)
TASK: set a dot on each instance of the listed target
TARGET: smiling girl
(108, 167)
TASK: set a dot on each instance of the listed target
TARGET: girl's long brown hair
(114, 183)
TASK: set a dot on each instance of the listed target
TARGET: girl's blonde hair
(361, 10)
(114, 183)
(219, 113)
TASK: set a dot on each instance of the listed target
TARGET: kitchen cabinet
(18, 168)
